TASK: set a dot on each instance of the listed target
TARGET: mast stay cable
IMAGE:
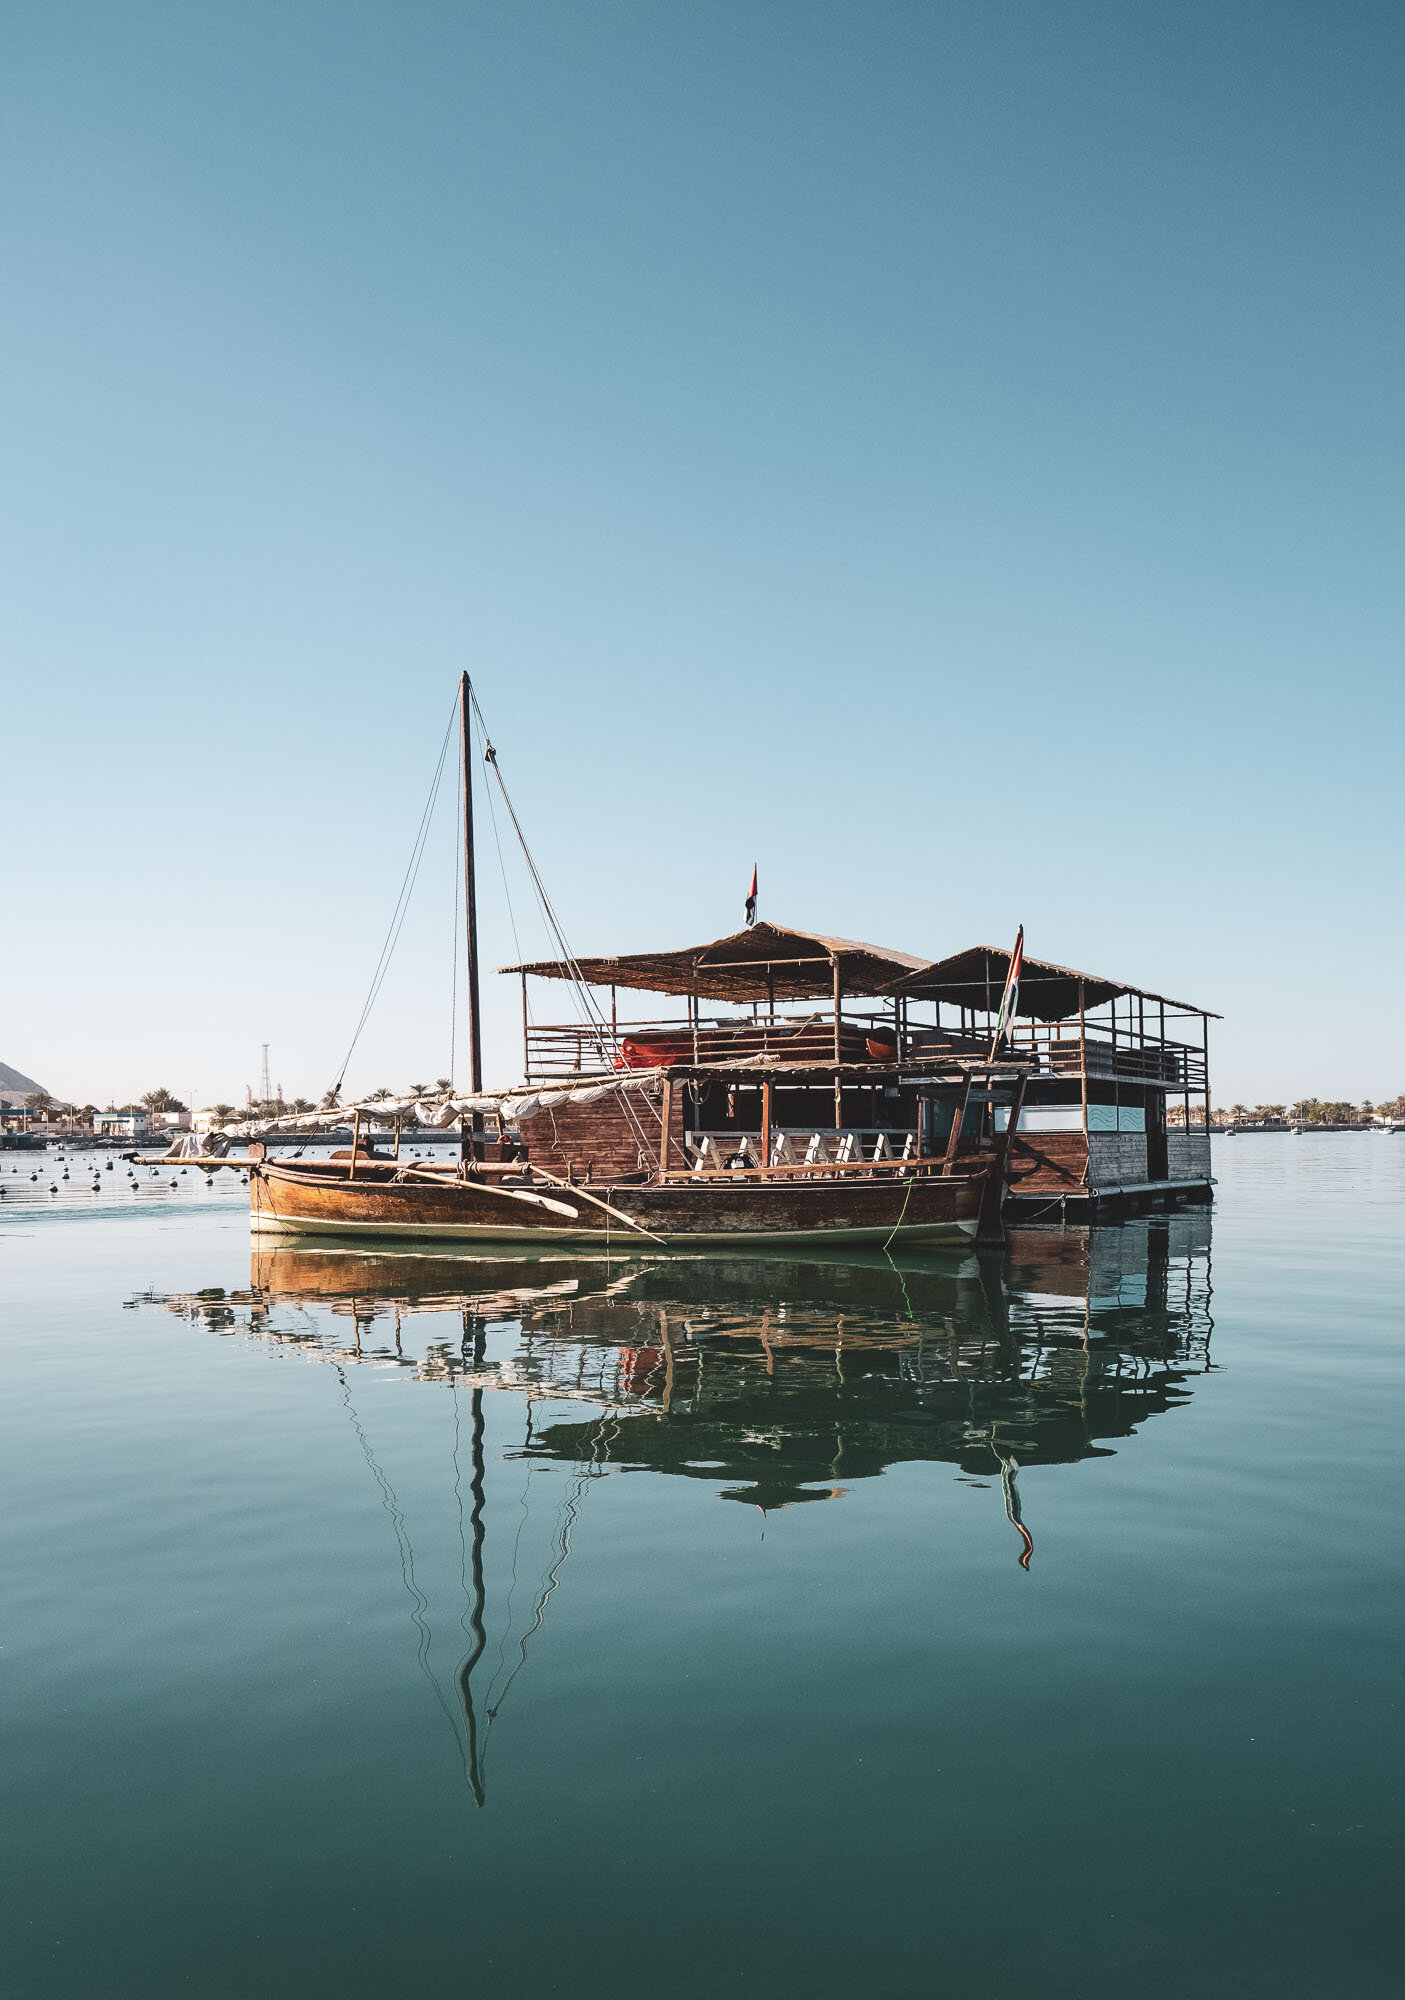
(585, 1001)
(402, 904)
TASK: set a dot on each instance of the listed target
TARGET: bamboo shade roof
(976, 978)
(763, 962)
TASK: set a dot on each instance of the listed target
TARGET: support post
(666, 1112)
(838, 1056)
(355, 1142)
(1083, 1078)
(768, 1085)
(990, 1228)
(949, 1163)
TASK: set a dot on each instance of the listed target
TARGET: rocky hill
(15, 1087)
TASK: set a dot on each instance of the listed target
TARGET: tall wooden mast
(470, 891)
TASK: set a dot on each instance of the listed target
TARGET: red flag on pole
(1010, 998)
(751, 897)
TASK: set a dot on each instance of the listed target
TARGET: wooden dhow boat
(775, 1122)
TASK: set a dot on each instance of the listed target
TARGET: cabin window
(1116, 1118)
(1044, 1118)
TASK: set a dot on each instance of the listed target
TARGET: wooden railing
(1174, 1065)
(562, 1052)
(557, 1052)
(864, 1152)
(801, 1146)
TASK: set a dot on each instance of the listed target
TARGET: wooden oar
(595, 1201)
(487, 1187)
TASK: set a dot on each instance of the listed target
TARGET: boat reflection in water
(777, 1381)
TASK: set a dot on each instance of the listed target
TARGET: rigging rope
(583, 995)
(419, 1604)
(585, 1001)
(497, 843)
(402, 904)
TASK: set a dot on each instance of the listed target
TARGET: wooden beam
(990, 1227)
(1083, 1074)
(470, 890)
(958, 1117)
(667, 1111)
(838, 1049)
(768, 1086)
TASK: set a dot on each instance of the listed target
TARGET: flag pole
(1010, 998)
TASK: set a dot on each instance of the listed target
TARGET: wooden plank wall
(1051, 1162)
(602, 1138)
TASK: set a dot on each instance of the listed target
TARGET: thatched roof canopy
(762, 962)
(976, 978)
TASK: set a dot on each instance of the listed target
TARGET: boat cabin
(897, 1061)
(1117, 1104)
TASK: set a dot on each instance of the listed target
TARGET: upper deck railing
(556, 1053)
(1118, 1057)
(562, 1052)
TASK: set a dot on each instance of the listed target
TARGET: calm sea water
(703, 1627)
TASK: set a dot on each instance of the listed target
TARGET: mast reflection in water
(778, 1381)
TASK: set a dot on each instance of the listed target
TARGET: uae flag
(1010, 998)
(751, 897)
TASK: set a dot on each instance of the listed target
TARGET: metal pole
(838, 1058)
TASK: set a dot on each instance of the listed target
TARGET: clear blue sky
(949, 454)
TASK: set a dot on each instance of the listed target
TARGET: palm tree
(417, 1089)
(379, 1096)
(443, 1083)
(161, 1100)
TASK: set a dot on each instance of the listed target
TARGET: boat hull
(289, 1201)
